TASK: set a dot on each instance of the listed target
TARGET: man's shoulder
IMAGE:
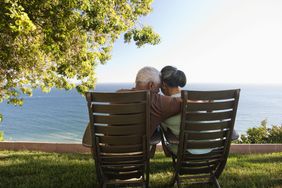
(165, 103)
(160, 97)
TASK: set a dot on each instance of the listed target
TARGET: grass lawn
(38, 169)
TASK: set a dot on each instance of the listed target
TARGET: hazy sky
(234, 41)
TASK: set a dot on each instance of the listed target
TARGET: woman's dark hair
(173, 77)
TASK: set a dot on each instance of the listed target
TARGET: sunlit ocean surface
(61, 116)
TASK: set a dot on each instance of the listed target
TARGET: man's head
(148, 78)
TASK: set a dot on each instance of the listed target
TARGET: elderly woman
(172, 82)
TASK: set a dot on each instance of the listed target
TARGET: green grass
(37, 169)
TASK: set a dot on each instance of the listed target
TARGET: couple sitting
(165, 109)
(162, 107)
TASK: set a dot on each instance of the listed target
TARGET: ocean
(61, 116)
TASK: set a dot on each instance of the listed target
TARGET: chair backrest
(119, 125)
(206, 128)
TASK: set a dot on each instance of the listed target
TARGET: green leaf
(48, 43)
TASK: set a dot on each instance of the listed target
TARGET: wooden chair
(119, 124)
(207, 123)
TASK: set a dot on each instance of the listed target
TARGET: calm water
(61, 116)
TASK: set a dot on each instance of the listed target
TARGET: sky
(218, 41)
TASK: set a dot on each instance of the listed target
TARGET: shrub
(1, 136)
(262, 134)
(275, 134)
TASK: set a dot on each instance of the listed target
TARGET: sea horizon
(61, 116)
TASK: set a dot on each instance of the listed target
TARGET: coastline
(61, 116)
(78, 148)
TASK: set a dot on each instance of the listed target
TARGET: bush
(262, 134)
(1, 136)
(275, 134)
(1, 132)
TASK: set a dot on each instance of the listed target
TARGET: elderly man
(162, 107)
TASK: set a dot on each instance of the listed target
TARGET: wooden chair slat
(128, 159)
(205, 144)
(122, 168)
(119, 108)
(122, 182)
(121, 140)
(128, 97)
(120, 119)
(121, 149)
(196, 170)
(211, 95)
(121, 162)
(213, 153)
(120, 130)
(203, 158)
(109, 156)
(201, 164)
(210, 106)
(209, 116)
(124, 176)
(207, 126)
(206, 135)
(122, 165)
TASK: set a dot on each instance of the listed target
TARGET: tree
(47, 43)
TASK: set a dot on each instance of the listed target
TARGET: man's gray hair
(148, 74)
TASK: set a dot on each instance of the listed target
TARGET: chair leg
(99, 181)
(165, 149)
(173, 161)
(102, 185)
(147, 184)
(178, 182)
(175, 175)
(144, 185)
(215, 181)
(153, 150)
(172, 182)
(147, 178)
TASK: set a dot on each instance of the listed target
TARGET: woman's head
(172, 79)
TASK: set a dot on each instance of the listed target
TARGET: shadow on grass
(271, 159)
(242, 171)
(32, 169)
(249, 181)
(160, 167)
(41, 173)
(28, 155)
(36, 169)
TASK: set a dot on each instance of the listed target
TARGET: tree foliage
(48, 43)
